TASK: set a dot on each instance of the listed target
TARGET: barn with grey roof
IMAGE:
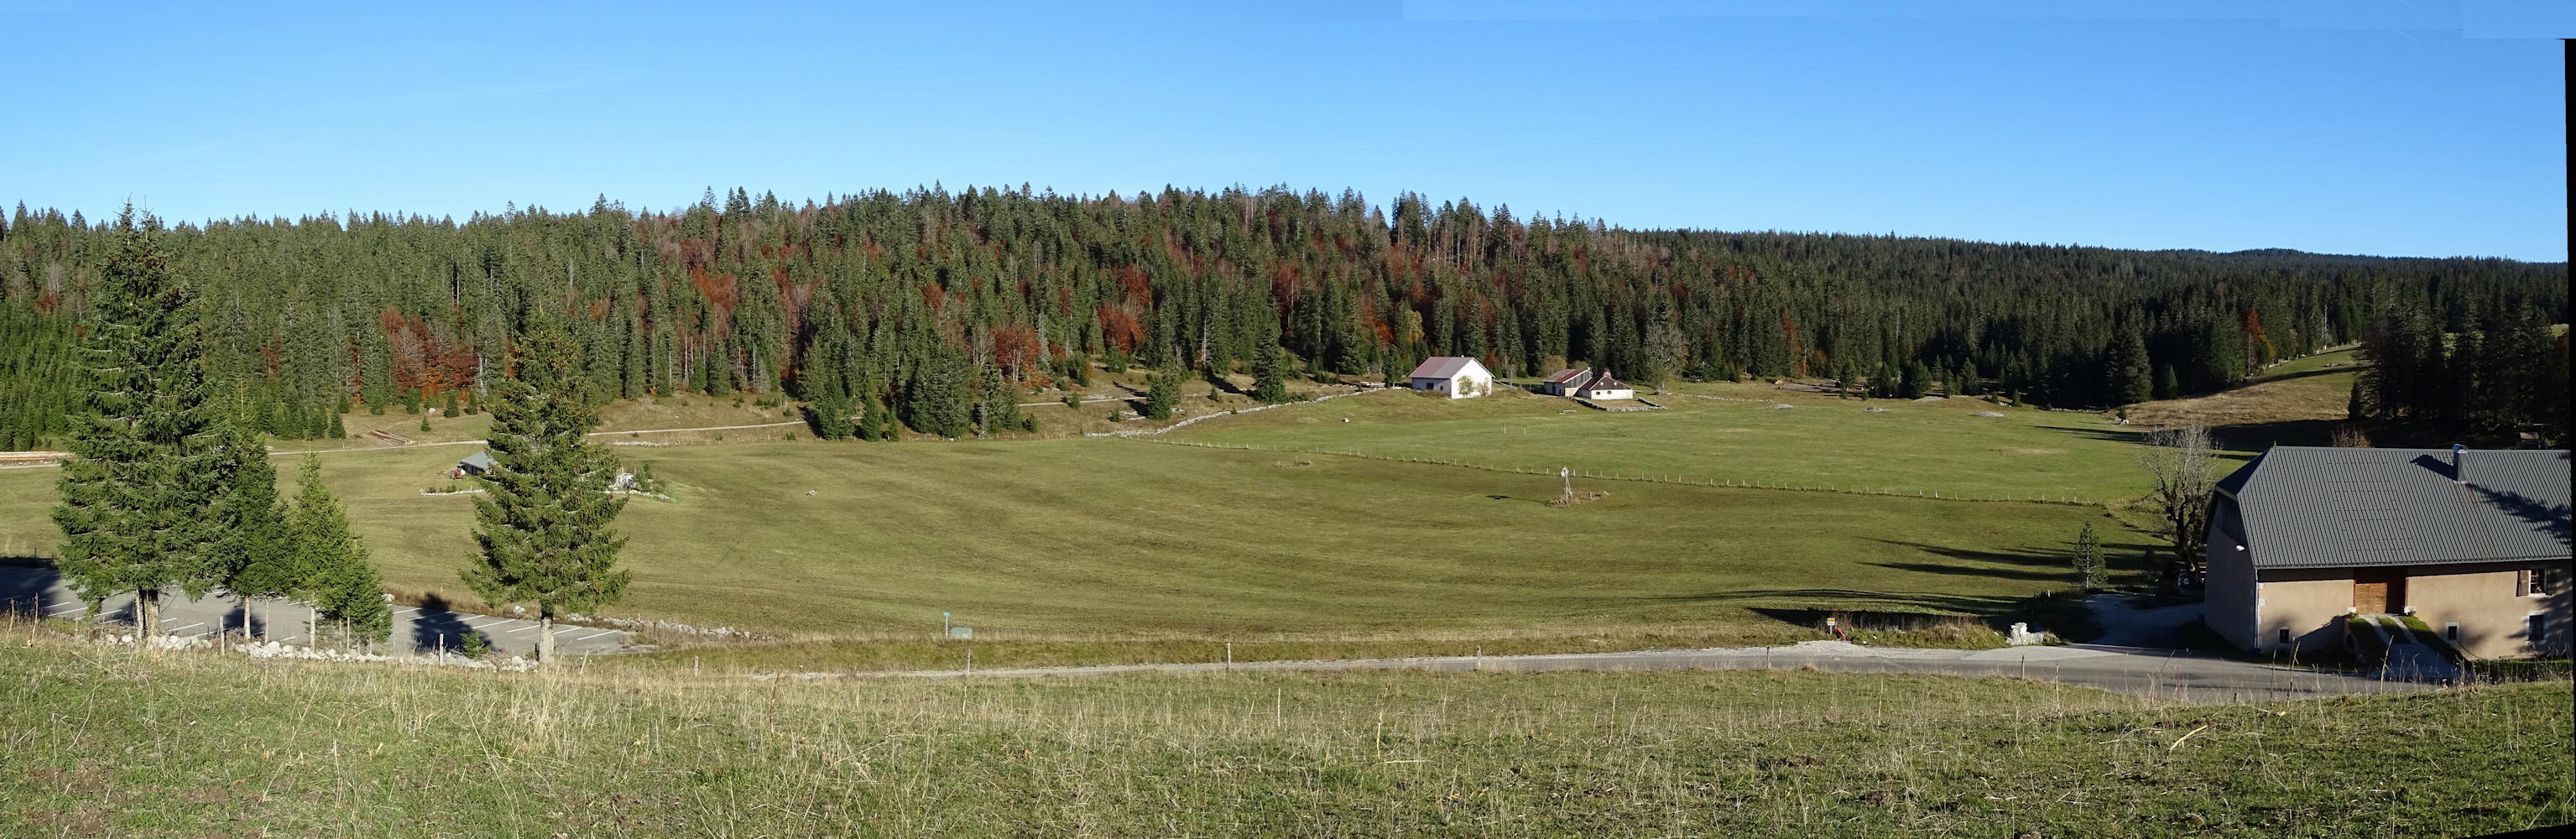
(2473, 542)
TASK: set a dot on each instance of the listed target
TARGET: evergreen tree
(544, 523)
(2167, 387)
(2132, 380)
(1162, 392)
(2090, 569)
(999, 409)
(875, 422)
(343, 584)
(261, 548)
(144, 465)
(934, 400)
(1270, 376)
(1917, 381)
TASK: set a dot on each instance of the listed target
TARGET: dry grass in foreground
(96, 742)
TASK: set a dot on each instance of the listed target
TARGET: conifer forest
(939, 307)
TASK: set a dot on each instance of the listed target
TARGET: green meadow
(1904, 448)
(1106, 538)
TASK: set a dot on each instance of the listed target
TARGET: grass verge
(120, 743)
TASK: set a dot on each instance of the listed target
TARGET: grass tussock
(120, 743)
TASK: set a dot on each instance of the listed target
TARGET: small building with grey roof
(1453, 376)
(2472, 542)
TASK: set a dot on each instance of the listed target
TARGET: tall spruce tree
(934, 399)
(2132, 379)
(345, 587)
(544, 525)
(1270, 375)
(145, 464)
(261, 548)
(1162, 392)
(999, 409)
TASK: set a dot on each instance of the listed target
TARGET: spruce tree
(144, 466)
(1163, 391)
(544, 523)
(260, 547)
(1270, 376)
(343, 584)
(999, 410)
(2089, 568)
(2132, 380)
(875, 422)
(934, 399)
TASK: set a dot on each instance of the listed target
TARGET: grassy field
(100, 742)
(1909, 447)
(2296, 402)
(1115, 539)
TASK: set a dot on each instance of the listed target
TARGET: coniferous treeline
(928, 305)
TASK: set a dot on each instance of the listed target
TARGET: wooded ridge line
(941, 309)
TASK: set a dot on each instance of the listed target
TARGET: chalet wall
(2309, 602)
(2483, 599)
(2229, 604)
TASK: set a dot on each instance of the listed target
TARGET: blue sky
(2398, 127)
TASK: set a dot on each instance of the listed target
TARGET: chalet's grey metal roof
(1443, 367)
(478, 460)
(2307, 507)
(1566, 375)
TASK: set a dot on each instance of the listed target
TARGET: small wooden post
(1229, 656)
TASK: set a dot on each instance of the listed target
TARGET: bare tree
(2185, 472)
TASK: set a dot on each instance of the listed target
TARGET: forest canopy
(928, 297)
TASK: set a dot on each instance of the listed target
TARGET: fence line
(1676, 480)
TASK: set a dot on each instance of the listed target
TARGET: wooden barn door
(2379, 591)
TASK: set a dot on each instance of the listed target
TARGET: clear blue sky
(2399, 127)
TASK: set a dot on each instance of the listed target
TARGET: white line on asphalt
(400, 611)
(596, 634)
(522, 629)
(190, 626)
(496, 622)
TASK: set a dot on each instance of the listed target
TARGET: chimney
(2459, 457)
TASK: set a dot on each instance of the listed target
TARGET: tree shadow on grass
(1826, 600)
(2030, 564)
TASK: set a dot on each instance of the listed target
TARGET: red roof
(1567, 375)
(1443, 367)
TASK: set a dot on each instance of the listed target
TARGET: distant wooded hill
(931, 296)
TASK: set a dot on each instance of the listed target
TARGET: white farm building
(1581, 383)
(1454, 376)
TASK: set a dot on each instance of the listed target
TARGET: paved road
(42, 590)
(2142, 672)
